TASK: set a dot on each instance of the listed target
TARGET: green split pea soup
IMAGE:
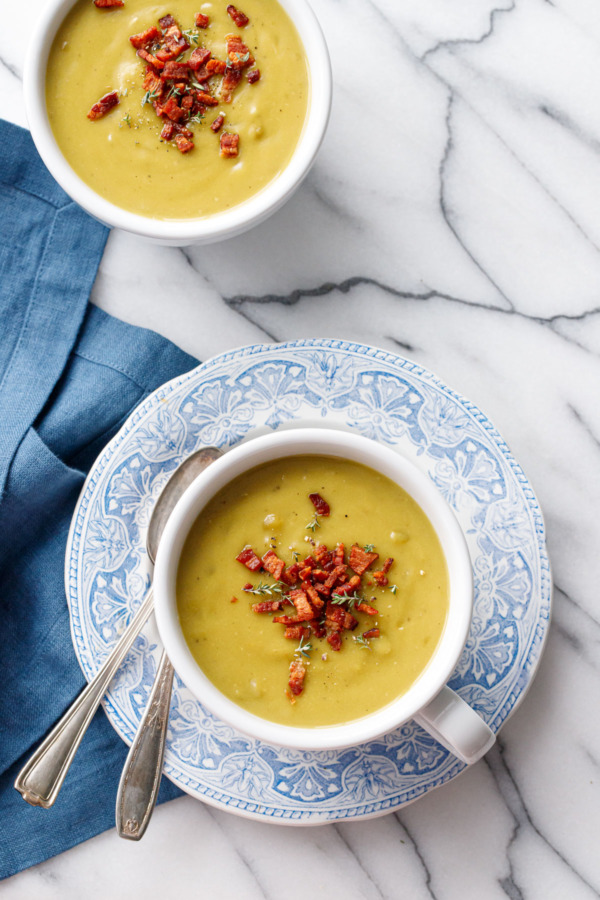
(245, 653)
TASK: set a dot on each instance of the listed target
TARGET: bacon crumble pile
(322, 588)
(181, 90)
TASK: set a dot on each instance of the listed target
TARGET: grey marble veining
(453, 217)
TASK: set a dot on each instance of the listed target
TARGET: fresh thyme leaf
(303, 648)
(174, 92)
(192, 35)
(369, 548)
(393, 588)
(313, 524)
(148, 97)
(198, 119)
(362, 642)
(127, 120)
(351, 599)
(296, 555)
(264, 588)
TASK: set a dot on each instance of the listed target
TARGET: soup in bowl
(186, 122)
(314, 590)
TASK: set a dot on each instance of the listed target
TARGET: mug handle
(456, 726)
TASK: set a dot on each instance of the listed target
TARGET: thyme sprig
(264, 588)
(191, 35)
(149, 97)
(393, 588)
(304, 648)
(313, 524)
(369, 548)
(362, 641)
(351, 599)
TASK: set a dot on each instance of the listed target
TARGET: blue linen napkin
(69, 376)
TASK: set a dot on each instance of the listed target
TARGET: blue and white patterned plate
(338, 384)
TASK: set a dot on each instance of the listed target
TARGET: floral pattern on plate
(248, 392)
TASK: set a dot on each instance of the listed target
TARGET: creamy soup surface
(121, 155)
(245, 654)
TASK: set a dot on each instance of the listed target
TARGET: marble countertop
(452, 216)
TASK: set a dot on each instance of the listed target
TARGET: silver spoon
(140, 779)
(41, 778)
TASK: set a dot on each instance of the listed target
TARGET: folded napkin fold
(69, 376)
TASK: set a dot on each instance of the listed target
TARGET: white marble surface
(452, 216)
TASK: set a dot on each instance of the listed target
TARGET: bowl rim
(323, 442)
(203, 229)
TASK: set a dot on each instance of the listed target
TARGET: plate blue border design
(246, 392)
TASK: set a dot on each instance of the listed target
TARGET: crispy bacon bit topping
(201, 20)
(172, 110)
(167, 22)
(238, 58)
(290, 576)
(335, 640)
(303, 607)
(183, 143)
(343, 590)
(253, 76)
(380, 578)
(229, 144)
(387, 565)
(206, 99)
(240, 18)
(313, 595)
(238, 54)
(267, 606)
(321, 506)
(296, 632)
(145, 38)
(168, 131)
(152, 60)
(249, 559)
(371, 633)
(360, 559)
(216, 67)
(108, 4)
(229, 84)
(104, 105)
(234, 600)
(273, 565)
(321, 553)
(174, 71)
(365, 608)
(297, 676)
(199, 57)
(216, 126)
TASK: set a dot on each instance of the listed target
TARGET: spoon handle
(42, 776)
(140, 781)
